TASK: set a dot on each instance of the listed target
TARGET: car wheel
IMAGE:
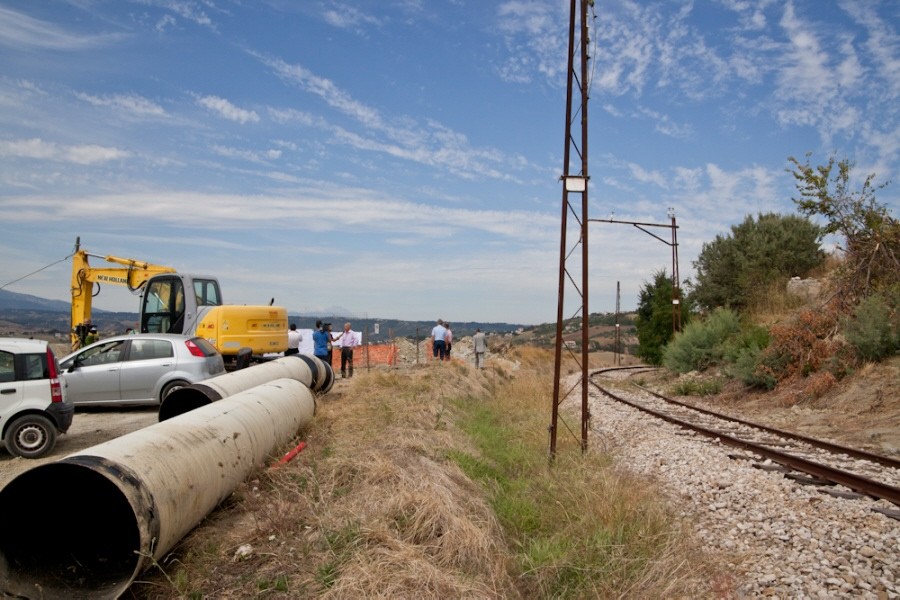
(171, 387)
(31, 436)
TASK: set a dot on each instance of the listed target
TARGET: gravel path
(782, 539)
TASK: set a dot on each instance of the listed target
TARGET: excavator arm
(132, 274)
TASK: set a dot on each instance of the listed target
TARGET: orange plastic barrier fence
(371, 355)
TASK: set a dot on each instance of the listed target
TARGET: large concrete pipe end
(86, 526)
(322, 373)
(211, 390)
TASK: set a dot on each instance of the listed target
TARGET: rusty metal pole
(573, 184)
(557, 363)
(585, 315)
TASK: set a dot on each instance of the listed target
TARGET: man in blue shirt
(320, 342)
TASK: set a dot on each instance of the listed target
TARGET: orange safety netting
(371, 355)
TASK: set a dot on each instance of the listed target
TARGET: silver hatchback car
(137, 369)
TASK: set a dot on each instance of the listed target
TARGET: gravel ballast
(783, 539)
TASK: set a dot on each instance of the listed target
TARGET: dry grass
(378, 505)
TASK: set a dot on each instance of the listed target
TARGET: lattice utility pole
(574, 184)
(676, 289)
(617, 357)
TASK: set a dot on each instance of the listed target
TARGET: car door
(148, 361)
(10, 390)
(92, 375)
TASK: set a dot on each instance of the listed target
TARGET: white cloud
(431, 144)
(127, 103)
(319, 206)
(326, 90)
(227, 110)
(18, 31)
(349, 17)
(188, 10)
(531, 33)
(35, 148)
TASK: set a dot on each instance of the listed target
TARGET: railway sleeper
(846, 494)
(808, 479)
(891, 513)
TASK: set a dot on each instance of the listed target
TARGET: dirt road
(89, 428)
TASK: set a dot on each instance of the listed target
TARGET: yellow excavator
(173, 302)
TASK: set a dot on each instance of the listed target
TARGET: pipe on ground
(308, 370)
(87, 525)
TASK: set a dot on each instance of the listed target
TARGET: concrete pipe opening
(322, 373)
(68, 532)
(85, 526)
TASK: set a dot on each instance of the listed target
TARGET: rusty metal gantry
(574, 184)
(676, 289)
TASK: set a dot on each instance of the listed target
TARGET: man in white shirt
(349, 340)
(294, 339)
(438, 341)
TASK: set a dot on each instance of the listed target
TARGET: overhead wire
(35, 272)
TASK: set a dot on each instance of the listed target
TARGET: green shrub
(872, 329)
(697, 387)
(702, 344)
(744, 365)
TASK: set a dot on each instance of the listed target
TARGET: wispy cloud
(227, 110)
(39, 149)
(430, 143)
(130, 104)
(189, 10)
(534, 46)
(18, 30)
(321, 207)
(349, 17)
(253, 156)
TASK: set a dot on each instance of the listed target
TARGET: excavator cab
(171, 300)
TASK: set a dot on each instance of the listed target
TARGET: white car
(34, 407)
(137, 369)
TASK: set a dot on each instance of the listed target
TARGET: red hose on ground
(290, 455)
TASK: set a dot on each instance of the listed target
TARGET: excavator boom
(132, 274)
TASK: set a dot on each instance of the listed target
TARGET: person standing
(349, 340)
(448, 339)
(92, 336)
(294, 339)
(320, 343)
(479, 344)
(331, 340)
(438, 342)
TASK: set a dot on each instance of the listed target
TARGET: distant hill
(13, 300)
(24, 314)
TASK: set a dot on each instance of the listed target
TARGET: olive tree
(732, 270)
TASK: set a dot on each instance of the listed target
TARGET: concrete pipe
(308, 370)
(87, 525)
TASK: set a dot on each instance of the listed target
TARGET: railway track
(836, 470)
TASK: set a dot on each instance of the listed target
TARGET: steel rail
(855, 482)
(825, 445)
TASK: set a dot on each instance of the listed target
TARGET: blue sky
(401, 158)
